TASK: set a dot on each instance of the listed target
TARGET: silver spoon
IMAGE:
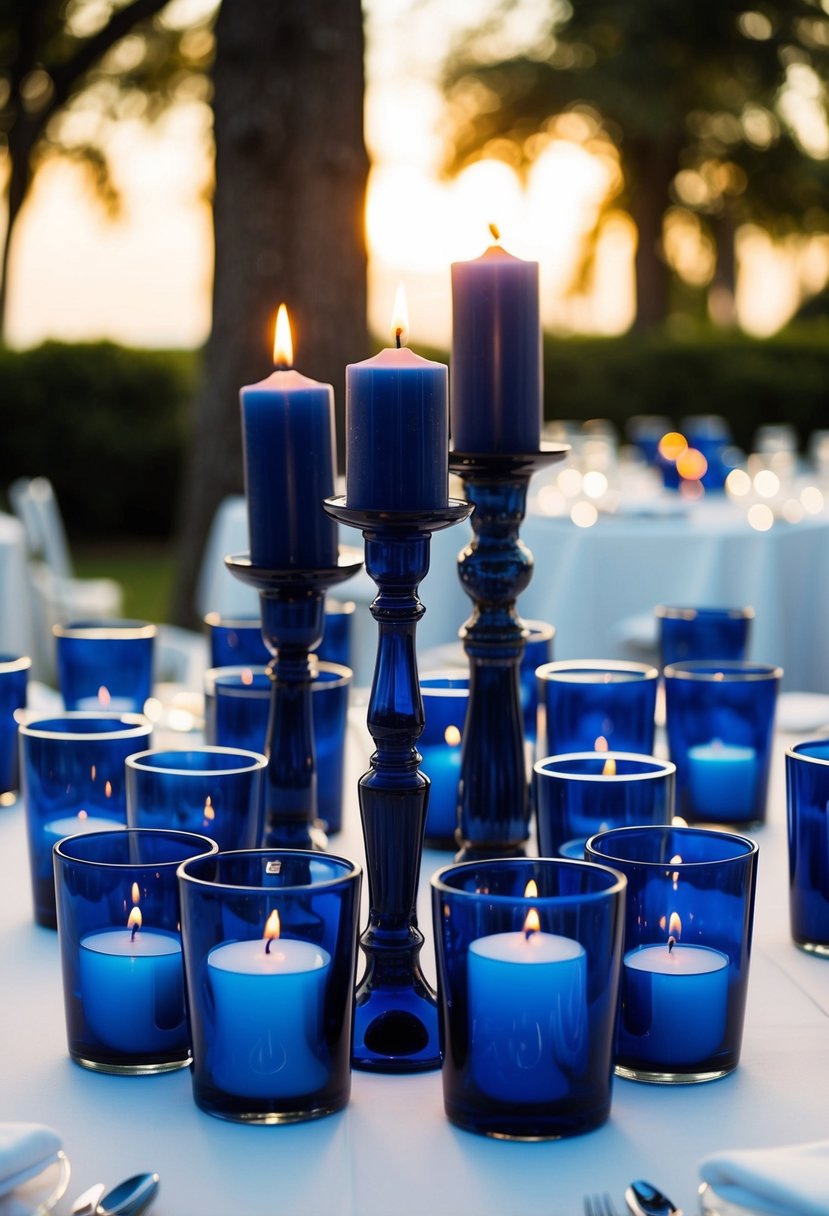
(644, 1199)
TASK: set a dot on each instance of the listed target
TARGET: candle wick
(282, 366)
(133, 933)
(671, 943)
(268, 945)
(398, 334)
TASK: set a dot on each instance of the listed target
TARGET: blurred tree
(288, 210)
(716, 112)
(69, 68)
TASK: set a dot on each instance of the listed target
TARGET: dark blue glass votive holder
(237, 709)
(235, 640)
(73, 782)
(807, 797)
(335, 646)
(445, 698)
(703, 633)
(270, 945)
(528, 955)
(689, 916)
(14, 681)
(105, 664)
(595, 705)
(720, 721)
(214, 790)
(538, 649)
(120, 943)
(583, 793)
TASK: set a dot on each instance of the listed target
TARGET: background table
(600, 585)
(392, 1149)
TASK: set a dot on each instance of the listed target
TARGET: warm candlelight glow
(135, 893)
(691, 464)
(272, 926)
(247, 676)
(609, 769)
(452, 736)
(672, 445)
(134, 921)
(209, 812)
(283, 345)
(532, 924)
(679, 822)
(107, 789)
(400, 317)
(104, 697)
(531, 890)
(496, 232)
(674, 930)
(83, 814)
(601, 744)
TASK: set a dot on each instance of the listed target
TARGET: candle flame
(247, 676)
(209, 812)
(676, 860)
(531, 890)
(134, 921)
(83, 814)
(283, 345)
(679, 822)
(609, 769)
(104, 696)
(136, 894)
(272, 929)
(674, 929)
(532, 924)
(672, 445)
(452, 736)
(400, 317)
(601, 744)
(108, 789)
(496, 232)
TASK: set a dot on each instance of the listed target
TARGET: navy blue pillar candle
(496, 354)
(288, 443)
(397, 430)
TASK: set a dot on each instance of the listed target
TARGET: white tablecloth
(392, 1149)
(16, 634)
(600, 585)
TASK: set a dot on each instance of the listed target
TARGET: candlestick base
(395, 1020)
(293, 616)
(494, 803)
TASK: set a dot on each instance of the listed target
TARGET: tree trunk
(291, 169)
(651, 168)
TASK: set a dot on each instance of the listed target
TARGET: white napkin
(789, 1181)
(25, 1150)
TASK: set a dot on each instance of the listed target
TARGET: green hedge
(106, 424)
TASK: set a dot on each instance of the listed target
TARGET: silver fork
(599, 1205)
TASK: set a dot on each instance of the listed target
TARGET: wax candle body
(269, 1017)
(722, 780)
(113, 704)
(132, 989)
(288, 441)
(674, 1004)
(527, 1014)
(397, 433)
(442, 765)
(496, 354)
(77, 825)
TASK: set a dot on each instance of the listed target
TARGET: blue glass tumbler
(689, 917)
(720, 721)
(528, 954)
(214, 790)
(703, 633)
(105, 664)
(583, 793)
(445, 698)
(118, 925)
(235, 640)
(593, 705)
(807, 798)
(73, 782)
(538, 649)
(270, 946)
(14, 680)
(237, 708)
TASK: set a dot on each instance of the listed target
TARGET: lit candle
(674, 1002)
(722, 780)
(496, 354)
(397, 428)
(78, 825)
(288, 439)
(105, 700)
(269, 998)
(527, 1012)
(132, 986)
(441, 762)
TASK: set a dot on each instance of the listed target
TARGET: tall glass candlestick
(494, 808)
(395, 1020)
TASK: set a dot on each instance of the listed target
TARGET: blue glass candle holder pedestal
(395, 1021)
(807, 796)
(689, 917)
(529, 954)
(494, 802)
(293, 606)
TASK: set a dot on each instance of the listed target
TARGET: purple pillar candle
(397, 429)
(288, 442)
(496, 354)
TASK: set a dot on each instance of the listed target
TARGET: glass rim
(751, 847)
(739, 670)
(239, 621)
(256, 760)
(659, 768)
(796, 754)
(538, 631)
(7, 666)
(213, 674)
(438, 881)
(99, 631)
(674, 613)
(130, 725)
(177, 833)
(352, 870)
(562, 667)
(457, 675)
